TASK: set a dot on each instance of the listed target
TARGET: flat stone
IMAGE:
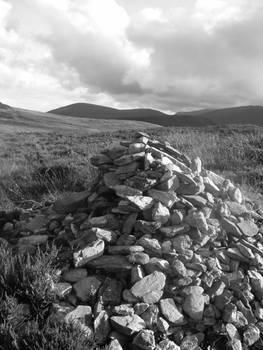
(101, 327)
(108, 236)
(196, 201)
(127, 325)
(149, 289)
(90, 252)
(125, 249)
(160, 213)
(125, 191)
(138, 258)
(136, 147)
(190, 189)
(128, 159)
(151, 246)
(166, 198)
(110, 292)
(87, 288)
(230, 227)
(234, 253)
(81, 314)
(244, 250)
(100, 159)
(71, 202)
(127, 169)
(171, 312)
(147, 227)
(145, 340)
(141, 202)
(107, 221)
(171, 184)
(33, 240)
(74, 275)
(236, 209)
(110, 263)
(248, 228)
(157, 264)
(172, 231)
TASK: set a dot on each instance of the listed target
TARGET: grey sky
(170, 54)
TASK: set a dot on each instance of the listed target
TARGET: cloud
(170, 55)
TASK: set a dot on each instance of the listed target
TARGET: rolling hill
(234, 115)
(88, 110)
(23, 120)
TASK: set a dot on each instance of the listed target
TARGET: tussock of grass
(25, 304)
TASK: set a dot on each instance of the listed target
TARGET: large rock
(150, 288)
(110, 263)
(248, 228)
(194, 303)
(127, 325)
(171, 312)
(90, 252)
(81, 314)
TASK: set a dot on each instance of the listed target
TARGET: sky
(171, 55)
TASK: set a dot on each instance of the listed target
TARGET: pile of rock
(162, 254)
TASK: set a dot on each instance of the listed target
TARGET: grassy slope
(34, 166)
(17, 120)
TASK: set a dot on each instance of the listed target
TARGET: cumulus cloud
(172, 56)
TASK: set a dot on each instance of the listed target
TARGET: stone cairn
(163, 254)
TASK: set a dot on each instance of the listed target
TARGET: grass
(26, 304)
(41, 166)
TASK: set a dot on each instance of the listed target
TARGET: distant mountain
(88, 110)
(23, 120)
(234, 115)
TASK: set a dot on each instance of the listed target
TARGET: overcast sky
(166, 54)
